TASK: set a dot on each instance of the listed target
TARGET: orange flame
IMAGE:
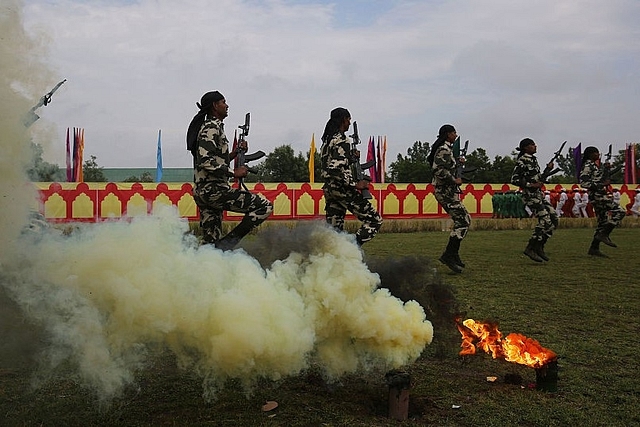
(514, 348)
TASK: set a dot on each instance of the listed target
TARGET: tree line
(284, 165)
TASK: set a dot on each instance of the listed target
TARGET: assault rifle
(548, 172)
(607, 173)
(355, 160)
(460, 155)
(31, 116)
(242, 156)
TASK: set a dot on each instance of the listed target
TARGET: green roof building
(168, 174)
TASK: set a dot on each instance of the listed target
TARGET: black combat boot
(539, 248)
(531, 252)
(448, 257)
(594, 249)
(604, 236)
(230, 241)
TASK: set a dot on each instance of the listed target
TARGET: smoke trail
(110, 294)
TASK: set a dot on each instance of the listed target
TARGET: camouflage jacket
(444, 166)
(335, 158)
(526, 172)
(591, 178)
(211, 163)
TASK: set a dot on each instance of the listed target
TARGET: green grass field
(585, 309)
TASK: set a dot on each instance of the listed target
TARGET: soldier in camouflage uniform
(447, 192)
(212, 193)
(609, 214)
(526, 175)
(341, 191)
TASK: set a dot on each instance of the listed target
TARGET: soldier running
(212, 193)
(526, 175)
(447, 192)
(341, 191)
(594, 177)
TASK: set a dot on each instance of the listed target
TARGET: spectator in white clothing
(635, 209)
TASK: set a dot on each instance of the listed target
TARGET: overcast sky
(498, 70)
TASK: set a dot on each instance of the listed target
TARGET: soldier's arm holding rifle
(362, 180)
(549, 170)
(242, 170)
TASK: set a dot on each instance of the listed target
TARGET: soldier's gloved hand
(240, 172)
(458, 181)
(242, 145)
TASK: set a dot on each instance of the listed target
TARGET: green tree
(282, 165)
(145, 177)
(479, 160)
(42, 171)
(91, 172)
(413, 167)
(502, 169)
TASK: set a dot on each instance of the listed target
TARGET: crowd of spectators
(572, 203)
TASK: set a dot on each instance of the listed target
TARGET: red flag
(630, 164)
(69, 171)
(371, 155)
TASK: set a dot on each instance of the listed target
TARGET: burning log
(547, 377)
(515, 348)
(399, 384)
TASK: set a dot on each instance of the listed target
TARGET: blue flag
(159, 161)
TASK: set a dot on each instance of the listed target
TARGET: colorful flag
(69, 171)
(383, 165)
(378, 162)
(79, 171)
(371, 155)
(577, 160)
(234, 148)
(159, 159)
(312, 155)
(630, 164)
(74, 156)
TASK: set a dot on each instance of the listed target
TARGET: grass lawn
(584, 309)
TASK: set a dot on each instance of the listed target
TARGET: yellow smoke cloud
(110, 294)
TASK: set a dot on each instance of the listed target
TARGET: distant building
(168, 174)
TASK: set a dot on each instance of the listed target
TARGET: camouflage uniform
(608, 213)
(447, 192)
(340, 192)
(525, 173)
(212, 192)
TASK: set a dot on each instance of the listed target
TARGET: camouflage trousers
(213, 201)
(607, 212)
(339, 200)
(546, 214)
(449, 199)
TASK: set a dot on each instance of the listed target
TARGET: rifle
(608, 172)
(548, 172)
(31, 116)
(242, 156)
(460, 154)
(355, 160)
